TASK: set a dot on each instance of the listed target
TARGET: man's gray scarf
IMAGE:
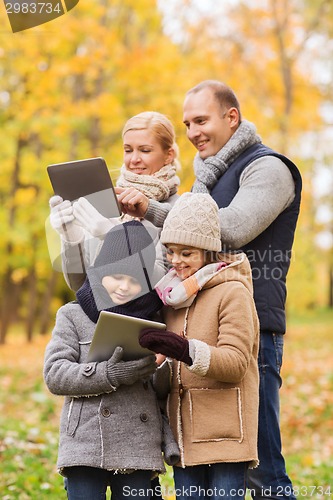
(208, 171)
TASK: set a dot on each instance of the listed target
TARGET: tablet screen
(114, 330)
(89, 178)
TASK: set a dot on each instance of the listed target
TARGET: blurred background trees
(67, 88)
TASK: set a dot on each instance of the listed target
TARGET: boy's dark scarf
(144, 307)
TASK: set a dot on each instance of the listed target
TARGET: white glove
(62, 220)
(93, 222)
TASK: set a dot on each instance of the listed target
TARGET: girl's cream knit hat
(193, 221)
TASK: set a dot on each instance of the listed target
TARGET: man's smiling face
(208, 125)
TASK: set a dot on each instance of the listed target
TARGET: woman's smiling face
(143, 154)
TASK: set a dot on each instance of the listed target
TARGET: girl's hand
(166, 342)
(132, 201)
(160, 358)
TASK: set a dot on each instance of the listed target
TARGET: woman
(150, 165)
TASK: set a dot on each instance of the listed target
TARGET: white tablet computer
(114, 330)
(89, 178)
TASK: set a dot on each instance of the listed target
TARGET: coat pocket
(216, 414)
(74, 413)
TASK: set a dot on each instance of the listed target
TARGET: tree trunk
(9, 304)
(46, 302)
(330, 289)
(32, 302)
(9, 289)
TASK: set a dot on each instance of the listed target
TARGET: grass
(29, 415)
(307, 401)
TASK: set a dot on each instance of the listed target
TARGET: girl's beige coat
(215, 417)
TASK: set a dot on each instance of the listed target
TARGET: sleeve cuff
(69, 244)
(200, 354)
(156, 213)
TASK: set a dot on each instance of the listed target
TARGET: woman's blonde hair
(160, 126)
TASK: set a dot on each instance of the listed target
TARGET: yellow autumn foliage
(68, 86)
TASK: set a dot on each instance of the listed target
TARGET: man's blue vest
(270, 252)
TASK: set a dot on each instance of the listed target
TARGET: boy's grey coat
(100, 427)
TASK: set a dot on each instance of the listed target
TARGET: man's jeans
(89, 483)
(214, 482)
(270, 479)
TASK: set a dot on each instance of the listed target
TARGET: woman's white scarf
(177, 293)
(158, 186)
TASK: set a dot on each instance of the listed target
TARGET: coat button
(143, 417)
(88, 368)
(106, 412)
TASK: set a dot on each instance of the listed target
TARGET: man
(258, 192)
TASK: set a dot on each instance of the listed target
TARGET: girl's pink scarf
(177, 293)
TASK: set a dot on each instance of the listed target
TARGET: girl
(213, 339)
(150, 165)
(111, 430)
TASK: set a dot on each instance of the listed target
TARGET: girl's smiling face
(185, 260)
(121, 288)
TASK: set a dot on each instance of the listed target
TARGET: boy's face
(185, 260)
(122, 288)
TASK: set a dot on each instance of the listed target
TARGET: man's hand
(132, 201)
